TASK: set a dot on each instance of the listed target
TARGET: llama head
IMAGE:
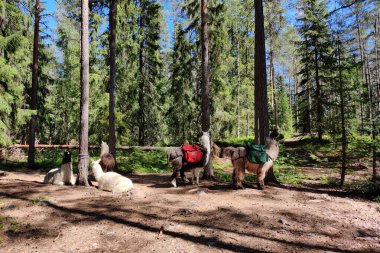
(66, 157)
(275, 135)
(107, 162)
(205, 140)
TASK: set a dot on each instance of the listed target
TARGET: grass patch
(223, 176)
(289, 175)
(368, 188)
(330, 181)
(235, 141)
(2, 219)
(137, 160)
(13, 227)
(40, 201)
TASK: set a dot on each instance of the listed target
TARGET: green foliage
(368, 188)
(236, 141)
(285, 117)
(330, 181)
(40, 201)
(183, 112)
(15, 42)
(13, 226)
(137, 160)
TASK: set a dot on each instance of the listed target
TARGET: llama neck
(97, 170)
(272, 148)
(66, 166)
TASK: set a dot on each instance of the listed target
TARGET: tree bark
(112, 80)
(377, 60)
(238, 90)
(343, 120)
(319, 96)
(82, 178)
(141, 88)
(261, 95)
(272, 81)
(33, 100)
(206, 114)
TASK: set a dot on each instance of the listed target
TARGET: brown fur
(107, 162)
(241, 164)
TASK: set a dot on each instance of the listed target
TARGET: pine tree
(182, 122)
(85, 69)
(149, 74)
(33, 102)
(316, 51)
(112, 86)
(285, 118)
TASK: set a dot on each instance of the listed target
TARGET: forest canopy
(318, 51)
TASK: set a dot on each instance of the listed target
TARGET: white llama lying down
(110, 181)
(62, 175)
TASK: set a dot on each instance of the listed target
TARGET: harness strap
(240, 156)
(83, 156)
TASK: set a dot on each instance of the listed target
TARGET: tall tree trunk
(206, 114)
(33, 101)
(141, 89)
(261, 95)
(296, 99)
(343, 120)
(319, 96)
(309, 102)
(273, 84)
(82, 178)
(112, 85)
(238, 90)
(377, 60)
(371, 118)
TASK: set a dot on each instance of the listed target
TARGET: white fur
(104, 148)
(61, 176)
(110, 181)
(205, 142)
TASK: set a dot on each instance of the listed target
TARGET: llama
(62, 175)
(238, 156)
(177, 160)
(109, 180)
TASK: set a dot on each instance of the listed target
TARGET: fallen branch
(65, 146)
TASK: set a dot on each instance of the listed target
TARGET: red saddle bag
(193, 153)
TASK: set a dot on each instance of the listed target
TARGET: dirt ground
(157, 218)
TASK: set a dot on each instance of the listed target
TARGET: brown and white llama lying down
(106, 178)
(63, 175)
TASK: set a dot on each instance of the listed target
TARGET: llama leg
(238, 174)
(183, 176)
(261, 173)
(177, 166)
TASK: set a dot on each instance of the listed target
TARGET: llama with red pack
(190, 157)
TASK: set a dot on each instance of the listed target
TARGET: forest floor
(155, 217)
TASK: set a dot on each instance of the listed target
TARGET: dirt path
(156, 218)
